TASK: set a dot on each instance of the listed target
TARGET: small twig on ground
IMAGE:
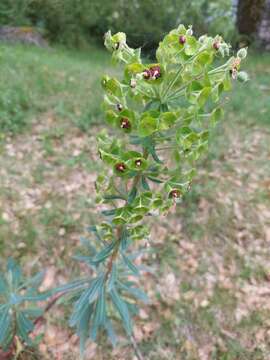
(136, 348)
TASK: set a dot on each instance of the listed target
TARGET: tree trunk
(263, 31)
(253, 20)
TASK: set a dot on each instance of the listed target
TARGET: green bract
(160, 116)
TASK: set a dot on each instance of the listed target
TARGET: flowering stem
(173, 81)
(180, 71)
(176, 93)
(119, 229)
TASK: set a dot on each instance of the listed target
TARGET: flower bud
(242, 53)
(242, 76)
(189, 31)
(202, 38)
(182, 39)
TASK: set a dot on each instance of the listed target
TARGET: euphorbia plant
(160, 114)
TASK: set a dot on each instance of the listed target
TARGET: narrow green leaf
(86, 298)
(72, 286)
(100, 314)
(83, 327)
(112, 279)
(124, 238)
(133, 268)
(154, 155)
(24, 326)
(34, 281)
(109, 212)
(145, 184)
(37, 297)
(132, 194)
(113, 197)
(154, 179)
(14, 271)
(122, 309)
(103, 254)
(134, 291)
(110, 331)
(27, 324)
(3, 285)
(5, 325)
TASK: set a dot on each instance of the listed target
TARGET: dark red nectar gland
(155, 72)
(175, 194)
(182, 39)
(125, 123)
(216, 45)
(119, 107)
(120, 167)
(138, 162)
(147, 74)
(234, 73)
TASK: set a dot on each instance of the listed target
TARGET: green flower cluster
(163, 113)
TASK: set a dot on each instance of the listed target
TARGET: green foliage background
(76, 22)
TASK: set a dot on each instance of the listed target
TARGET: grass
(212, 306)
(35, 80)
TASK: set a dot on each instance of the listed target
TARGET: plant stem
(175, 93)
(173, 81)
(115, 252)
(50, 304)
(179, 73)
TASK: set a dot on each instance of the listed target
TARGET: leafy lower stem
(113, 257)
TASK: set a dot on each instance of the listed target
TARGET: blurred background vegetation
(74, 25)
(77, 22)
